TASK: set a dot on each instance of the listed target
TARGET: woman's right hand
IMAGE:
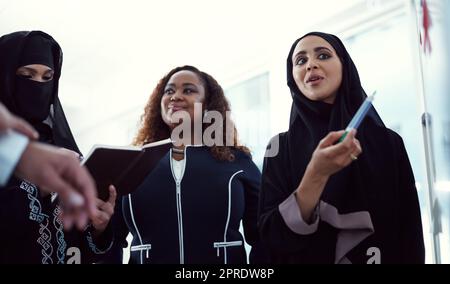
(329, 158)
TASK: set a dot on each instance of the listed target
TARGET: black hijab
(347, 191)
(34, 101)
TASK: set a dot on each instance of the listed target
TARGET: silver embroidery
(45, 235)
(62, 245)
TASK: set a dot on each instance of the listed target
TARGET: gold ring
(353, 157)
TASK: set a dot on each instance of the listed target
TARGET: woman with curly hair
(189, 209)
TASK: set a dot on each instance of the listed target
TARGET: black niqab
(34, 101)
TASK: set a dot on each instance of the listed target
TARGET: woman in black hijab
(328, 202)
(32, 232)
(35, 101)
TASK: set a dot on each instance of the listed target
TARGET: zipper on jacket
(179, 207)
(180, 222)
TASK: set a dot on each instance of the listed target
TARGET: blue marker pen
(359, 116)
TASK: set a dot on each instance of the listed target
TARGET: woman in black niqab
(364, 210)
(37, 102)
(32, 232)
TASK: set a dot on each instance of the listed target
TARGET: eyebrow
(184, 85)
(34, 71)
(31, 70)
(317, 49)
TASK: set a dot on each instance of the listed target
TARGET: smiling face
(181, 92)
(317, 70)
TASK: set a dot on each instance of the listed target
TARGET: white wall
(116, 51)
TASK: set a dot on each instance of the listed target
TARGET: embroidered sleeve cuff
(103, 243)
(290, 211)
(12, 145)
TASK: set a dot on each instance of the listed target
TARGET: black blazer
(195, 220)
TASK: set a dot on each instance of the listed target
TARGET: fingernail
(76, 199)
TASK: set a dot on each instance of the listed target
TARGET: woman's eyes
(303, 60)
(26, 76)
(189, 91)
(185, 91)
(32, 77)
(323, 56)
